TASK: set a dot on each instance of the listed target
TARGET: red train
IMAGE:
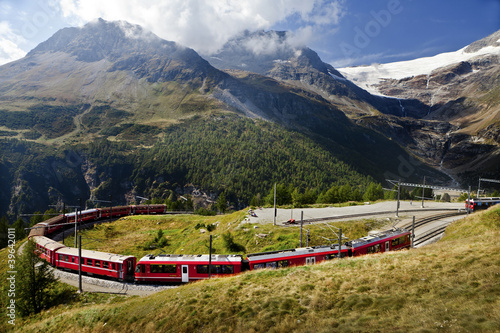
(116, 266)
(186, 268)
(481, 203)
(55, 223)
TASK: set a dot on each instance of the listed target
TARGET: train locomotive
(171, 268)
(481, 203)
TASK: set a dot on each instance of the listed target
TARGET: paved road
(406, 211)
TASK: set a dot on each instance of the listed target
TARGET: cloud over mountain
(206, 25)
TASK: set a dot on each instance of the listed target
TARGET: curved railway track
(434, 232)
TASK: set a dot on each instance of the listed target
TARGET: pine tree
(19, 226)
(34, 283)
(221, 203)
(4, 226)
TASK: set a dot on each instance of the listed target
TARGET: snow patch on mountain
(368, 77)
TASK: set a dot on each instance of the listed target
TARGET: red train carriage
(149, 209)
(185, 268)
(115, 211)
(481, 203)
(111, 265)
(84, 215)
(48, 226)
(382, 242)
(295, 257)
(46, 248)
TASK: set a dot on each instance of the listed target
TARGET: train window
(400, 240)
(283, 263)
(227, 269)
(373, 249)
(138, 268)
(105, 264)
(163, 268)
(259, 266)
(112, 266)
(271, 264)
(89, 262)
(97, 263)
(72, 259)
(202, 269)
(215, 269)
(66, 258)
(60, 257)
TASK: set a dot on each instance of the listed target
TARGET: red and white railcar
(111, 265)
(46, 248)
(149, 209)
(295, 257)
(117, 211)
(390, 240)
(48, 226)
(84, 216)
(174, 268)
(481, 203)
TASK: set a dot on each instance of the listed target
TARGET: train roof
(484, 199)
(95, 254)
(87, 211)
(294, 252)
(216, 258)
(47, 243)
(389, 234)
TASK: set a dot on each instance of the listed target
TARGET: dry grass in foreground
(450, 286)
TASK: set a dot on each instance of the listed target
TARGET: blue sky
(343, 32)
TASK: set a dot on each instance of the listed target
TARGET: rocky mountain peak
(263, 51)
(101, 39)
(491, 40)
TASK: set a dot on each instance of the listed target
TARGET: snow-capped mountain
(369, 77)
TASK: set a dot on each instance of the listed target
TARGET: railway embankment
(449, 286)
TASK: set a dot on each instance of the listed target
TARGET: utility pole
(80, 219)
(413, 232)
(76, 227)
(275, 213)
(301, 224)
(397, 205)
(423, 193)
(110, 206)
(80, 264)
(340, 243)
(210, 259)
(478, 187)
(468, 201)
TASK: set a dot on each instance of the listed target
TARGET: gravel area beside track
(91, 284)
(407, 210)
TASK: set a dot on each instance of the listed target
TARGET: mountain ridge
(127, 96)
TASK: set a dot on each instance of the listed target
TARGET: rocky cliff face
(466, 96)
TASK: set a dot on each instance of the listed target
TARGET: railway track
(432, 218)
(339, 217)
(434, 232)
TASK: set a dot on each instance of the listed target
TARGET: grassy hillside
(450, 286)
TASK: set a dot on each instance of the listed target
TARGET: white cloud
(205, 25)
(9, 41)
